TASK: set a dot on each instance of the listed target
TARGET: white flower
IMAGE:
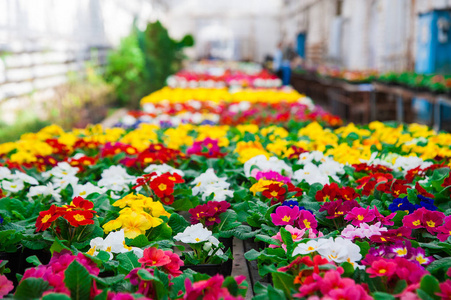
(44, 190)
(5, 173)
(113, 243)
(194, 234)
(308, 157)
(309, 247)
(161, 169)
(220, 194)
(410, 162)
(264, 164)
(13, 186)
(206, 179)
(62, 183)
(25, 178)
(340, 250)
(311, 174)
(62, 169)
(86, 190)
(116, 178)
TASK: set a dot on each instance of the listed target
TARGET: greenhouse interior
(227, 149)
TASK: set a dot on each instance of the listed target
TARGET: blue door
(301, 44)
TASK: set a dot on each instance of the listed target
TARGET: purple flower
(307, 220)
(285, 215)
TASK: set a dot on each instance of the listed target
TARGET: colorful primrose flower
(208, 214)
(285, 215)
(360, 215)
(423, 218)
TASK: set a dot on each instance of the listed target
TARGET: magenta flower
(385, 220)
(6, 286)
(307, 220)
(269, 175)
(444, 231)
(285, 215)
(432, 220)
(360, 215)
(296, 235)
(382, 267)
(415, 219)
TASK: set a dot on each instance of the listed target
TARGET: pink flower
(307, 220)
(173, 268)
(381, 267)
(445, 289)
(296, 235)
(210, 289)
(360, 215)
(444, 231)
(269, 175)
(350, 292)
(6, 286)
(285, 215)
(153, 257)
(362, 231)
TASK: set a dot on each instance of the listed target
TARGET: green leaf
(78, 281)
(383, 296)
(145, 275)
(348, 269)
(430, 285)
(127, 262)
(267, 239)
(364, 247)
(140, 241)
(31, 288)
(177, 223)
(251, 254)
(275, 294)
(33, 260)
(287, 240)
(444, 263)
(56, 296)
(284, 282)
(103, 256)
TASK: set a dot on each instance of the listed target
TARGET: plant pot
(228, 243)
(224, 269)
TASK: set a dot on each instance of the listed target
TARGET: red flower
(82, 204)
(168, 199)
(153, 257)
(381, 268)
(162, 186)
(46, 218)
(175, 178)
(422, 191)
(274, 191)
(79, 217)
(329, 192)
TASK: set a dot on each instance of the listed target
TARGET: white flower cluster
(313, 173)
(113, 243)
(208, 183)
(338, 250)
(401, 163)
(61, 176)
(13, 183)
(116, 179)
(196, 234)
(161, 169)
(262, 163)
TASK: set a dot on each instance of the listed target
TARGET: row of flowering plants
(220, 106)
(355, 212)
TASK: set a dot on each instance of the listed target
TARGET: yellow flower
(262, 184)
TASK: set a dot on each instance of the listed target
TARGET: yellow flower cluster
(139, 213)
(217, 95)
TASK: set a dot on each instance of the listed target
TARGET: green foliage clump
(143, 61)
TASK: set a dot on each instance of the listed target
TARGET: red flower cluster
(79, 212)
(420, 172)
(395, 187)
(169, 261)
(278, 193)
(368, 183)
(331, 192)
(82, 162)
(111, 149)
(162, 186)
(156, 153)
(208, 214)
(58, 148)
(371, 169)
